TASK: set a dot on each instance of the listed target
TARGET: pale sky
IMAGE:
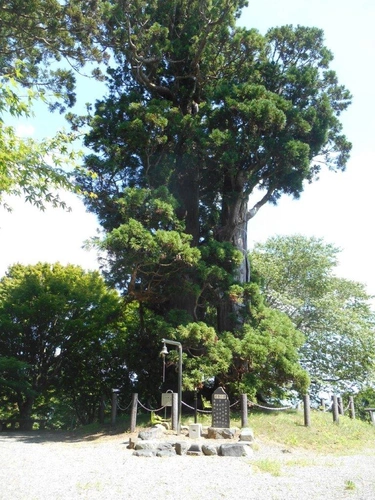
(338, 208)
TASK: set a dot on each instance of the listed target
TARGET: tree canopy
(52, 40)
(43, 43)
(298, 277)
(200, 114)
(55, 322)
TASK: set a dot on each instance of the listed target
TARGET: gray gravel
(58, 467)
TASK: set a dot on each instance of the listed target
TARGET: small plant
(271, 466)
(350, 485)
(300, 462)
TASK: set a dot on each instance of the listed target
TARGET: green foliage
(59, 324)
(364, 399)
(272, 112)
(36, 36)
(14, 378)
(265, 354)
(200, 114)
(269, 466)
(204, 354)
(33, 169)
(286, 428)
(297, 276)
(41, 32)
(14, 374)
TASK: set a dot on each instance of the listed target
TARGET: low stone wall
(159, 442)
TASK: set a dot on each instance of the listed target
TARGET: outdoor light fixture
(164, 352)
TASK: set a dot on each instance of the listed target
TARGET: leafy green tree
(33, 169)
(265, 360)
(200, 114)
(41, 33)
(94, 365)
(43, 43)
(13, 379)
(363, 400)
(54, 319)
(298, 278)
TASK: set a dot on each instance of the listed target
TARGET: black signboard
(220, 409)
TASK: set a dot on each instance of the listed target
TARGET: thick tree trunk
(186, 188)
(229, 313)
(240, 242)
(25, 408)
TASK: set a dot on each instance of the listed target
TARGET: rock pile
(157, 441)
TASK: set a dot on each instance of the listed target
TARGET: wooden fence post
(340, 405)
(306, 410)
(351, 407)
(335, 411)
(133, 414)
(114, 406)
(244, 414)
(195, 406)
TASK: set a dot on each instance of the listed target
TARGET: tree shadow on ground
(58, 436)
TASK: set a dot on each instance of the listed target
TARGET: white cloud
(28, 235)
(24, 130)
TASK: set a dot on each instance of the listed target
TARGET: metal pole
(174, 411)
(178, 344)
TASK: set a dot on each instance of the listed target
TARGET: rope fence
(150, 409)
(336, 408)
(251, 404)
(123, 409)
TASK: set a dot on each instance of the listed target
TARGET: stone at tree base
(165, 446)
(247, 434)
(195, 449)
(156, 432)
(220, 433)
(144, 453)
(235, 450)
(146, 445)
(209, 449)
(249, 444)
(182, 447)
(166, 453)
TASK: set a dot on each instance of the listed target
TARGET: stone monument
(220, 409)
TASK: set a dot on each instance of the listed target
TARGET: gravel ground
(59, 467)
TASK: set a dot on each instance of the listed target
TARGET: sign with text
(220, 409)
(166, 399)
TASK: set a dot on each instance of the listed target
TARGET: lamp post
(164, 352)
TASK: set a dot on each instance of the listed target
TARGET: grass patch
(300, 462)
(323, 436)
(273, 427)
(350, 485)
(272, 467)
(87, 487)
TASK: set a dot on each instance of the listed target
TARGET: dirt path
(63, 467)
